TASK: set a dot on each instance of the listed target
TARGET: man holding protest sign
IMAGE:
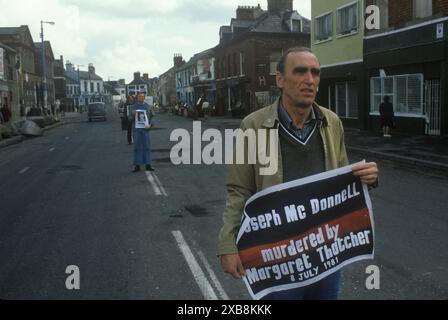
(311, 140)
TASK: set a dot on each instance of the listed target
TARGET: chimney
(278, 6)
(178, 60)
(137, 75)
(146, 77)
(69, 66)
(248, 13)
(91, 68)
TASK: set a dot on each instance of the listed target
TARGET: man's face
(141, 98)
(301, 79)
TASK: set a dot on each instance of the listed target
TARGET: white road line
(222, 294)
(154, 184)
(162, 189)
(67, 138)
(198, 274)
(52, 149)
(24, 170)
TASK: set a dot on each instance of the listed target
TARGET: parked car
(96, 111)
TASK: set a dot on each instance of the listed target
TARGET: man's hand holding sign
(368, 174)
(297, 233)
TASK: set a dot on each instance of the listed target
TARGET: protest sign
(297, 233)
(141, 119)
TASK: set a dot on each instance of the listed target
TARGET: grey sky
(120, 37)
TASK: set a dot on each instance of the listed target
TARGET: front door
(433, 107)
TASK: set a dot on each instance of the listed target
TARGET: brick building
(248, 51)
(20, 39)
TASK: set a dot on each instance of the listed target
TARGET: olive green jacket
(244, 180)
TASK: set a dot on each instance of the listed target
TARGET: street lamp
(44, 73)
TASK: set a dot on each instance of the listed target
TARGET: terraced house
(247, 55)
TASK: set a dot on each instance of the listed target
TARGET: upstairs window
(274, 57)
(383, 5)
(422, 8)
(324, 27)
(347, 19)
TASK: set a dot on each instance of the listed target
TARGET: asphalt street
(69, 198)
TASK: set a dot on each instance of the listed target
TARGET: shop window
(404, 91)
(347, 100)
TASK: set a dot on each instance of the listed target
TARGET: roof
(87, 75)
(110, 89)
(115, 84)
(8, 48)
(137, 82)
(71, 76)
(9, 30)
(69, 80)
(6, 34)
(48, 49)
(195, 58)
(241, 23)
(268, 22)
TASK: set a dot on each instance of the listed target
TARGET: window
(91, 87)
(85, 86)
(235, 64)
(404, 91)
(242, 64)
(347, 19)
(97, 87)
(383, 5)
(347, 100)
(296, 25)
(274, 57)
(324, 27)
(422, 8)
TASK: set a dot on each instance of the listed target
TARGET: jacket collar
(272, 119)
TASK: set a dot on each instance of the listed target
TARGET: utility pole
(79, 83)
(43, 63)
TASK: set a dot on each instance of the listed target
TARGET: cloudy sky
(123, 36)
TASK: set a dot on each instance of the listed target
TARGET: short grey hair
(282, 62)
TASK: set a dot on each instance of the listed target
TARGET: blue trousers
(325, 289)
(142, 147)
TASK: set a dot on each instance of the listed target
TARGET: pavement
(417, 151)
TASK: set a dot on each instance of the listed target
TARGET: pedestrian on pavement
(142, 142)
(198, 108)
(206, 108)
(125, 123)
(304, 129)
(387, 116)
